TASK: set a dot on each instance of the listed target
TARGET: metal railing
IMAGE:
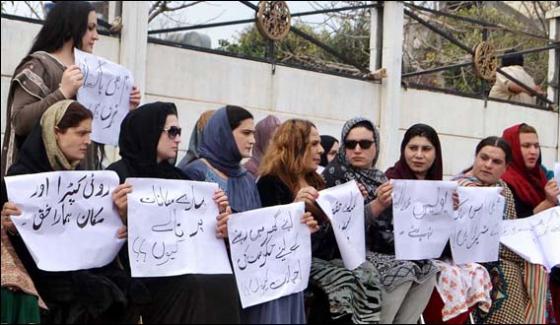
(448, 36)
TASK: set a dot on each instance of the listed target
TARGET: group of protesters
(267, 164)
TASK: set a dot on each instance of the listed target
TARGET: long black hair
(67, 20)
(236, 115)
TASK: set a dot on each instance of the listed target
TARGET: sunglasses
(173, 132)
(364, 144)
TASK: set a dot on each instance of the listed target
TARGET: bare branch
(33, 11)
(154, 6)
(160, 7)
(186, 5)
(541, 16)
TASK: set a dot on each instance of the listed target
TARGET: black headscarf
(33, 157)
(327, 142)
(138, 141)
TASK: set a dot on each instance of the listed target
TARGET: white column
(374, 35)
(134, 40)
(553, 17)
(114, 11)
(390, 113)
(133, 48)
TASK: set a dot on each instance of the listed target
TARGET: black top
(33, 156)
(72, 296)
(522, 209)
(183, 299)
(274, 192)
(138, 140)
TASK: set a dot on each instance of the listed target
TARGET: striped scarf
(517, 284)
(356, 293)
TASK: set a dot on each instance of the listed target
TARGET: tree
(252, 43)
(348, 33)
(431, 50)
(33, 9)
(350, 41)
(164, 7)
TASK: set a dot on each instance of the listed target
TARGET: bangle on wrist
(62, 92)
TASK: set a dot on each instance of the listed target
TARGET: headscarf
(140, 133)
(195, 140)
(340, 171)
(40, 151)
(327, 142)
(264, 130)
(50, 119)
(220, 150)
(528, 184)
(401, 170)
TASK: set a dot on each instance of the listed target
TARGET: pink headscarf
(264, 130)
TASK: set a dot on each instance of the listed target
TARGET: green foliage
(351, 38)
(251, 43)
(442, 52)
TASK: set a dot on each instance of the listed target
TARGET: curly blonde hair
(285, 156)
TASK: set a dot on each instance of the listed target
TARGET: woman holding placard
(149, 142)
(421, 159)
(531, 189)
(408, 284)
(288, 174)
(515, 296)
(59, 143)
(229, 137)
(48, 74)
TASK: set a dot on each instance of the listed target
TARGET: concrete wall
(202, 81)
(462, 122)
(197, 81)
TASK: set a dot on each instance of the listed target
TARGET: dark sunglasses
(364, 144)
(173, 132)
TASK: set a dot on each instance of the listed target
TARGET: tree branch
(160, 7)
(33, 10)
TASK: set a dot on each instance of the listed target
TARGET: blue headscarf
(220, 150)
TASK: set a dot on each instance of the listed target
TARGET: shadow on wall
(190, 38)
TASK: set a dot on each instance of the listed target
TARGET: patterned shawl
(14, 273)
(39, 75)
(339, 170)
(512, 294)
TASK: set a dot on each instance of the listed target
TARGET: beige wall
(198, 81)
